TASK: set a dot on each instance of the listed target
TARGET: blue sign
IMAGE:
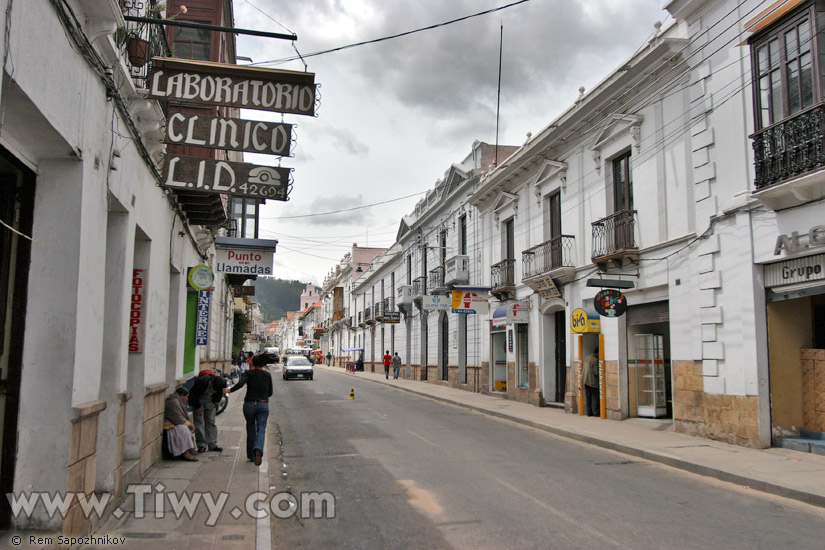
(202, 319)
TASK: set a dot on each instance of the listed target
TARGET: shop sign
(800, 270)
(470, 302)
(582, 320)
(517, 312)
(241, 291)
(202, 320)
(610, 303)
(201, 175)
(233, 86)
(392, 317)
(546, 287)
(435, 302)
(793, 243)
(200, 277)
(243, 261)
(234, 134)
(136, 311)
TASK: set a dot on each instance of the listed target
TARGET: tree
(240, 327)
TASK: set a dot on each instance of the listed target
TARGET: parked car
(297, 366)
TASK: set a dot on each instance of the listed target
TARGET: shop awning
(352, 349)
(517, 312)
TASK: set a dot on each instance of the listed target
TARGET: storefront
(648, 362)
(509, 340)
(795, 296)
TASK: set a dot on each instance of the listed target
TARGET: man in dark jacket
(204, 396)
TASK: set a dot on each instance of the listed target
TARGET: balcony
(361, 322)
(419, 287)
(435, 282)
(378, 311)
(503, 278)
(789, 158)
(140, 42)
(553, 258)
(614, 240)
(457, 270)
(403, 294)
(368, 318)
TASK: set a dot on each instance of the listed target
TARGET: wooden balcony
(614, 239)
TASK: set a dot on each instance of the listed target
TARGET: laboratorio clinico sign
(222, 84)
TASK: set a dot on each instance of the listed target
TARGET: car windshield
(298, 361)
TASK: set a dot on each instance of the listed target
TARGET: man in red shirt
(387, 360)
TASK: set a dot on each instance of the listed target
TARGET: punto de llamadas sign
(245, 261)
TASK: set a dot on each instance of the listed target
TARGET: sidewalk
(228, 472)
(783, 472)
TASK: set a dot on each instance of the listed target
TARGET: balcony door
(622, 203)
(552, 231)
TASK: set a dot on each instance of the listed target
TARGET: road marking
(420, 498)
(422, 438)
(559, 513)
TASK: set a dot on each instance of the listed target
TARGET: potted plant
(135, 38)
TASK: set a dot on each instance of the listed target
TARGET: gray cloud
(335, 203)
(343, 139)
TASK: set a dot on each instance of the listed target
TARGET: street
(410, 472)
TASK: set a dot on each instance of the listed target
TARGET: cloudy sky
(395, 114)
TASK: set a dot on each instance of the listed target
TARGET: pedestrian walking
(590, 381)
(396, 365)
(329, 358)
(204, 396)
(387, 361)
(258, 384)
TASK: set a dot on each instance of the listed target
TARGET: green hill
(277, 296)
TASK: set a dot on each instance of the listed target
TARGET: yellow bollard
(352, 393)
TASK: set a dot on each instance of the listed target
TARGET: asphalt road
(409, 472)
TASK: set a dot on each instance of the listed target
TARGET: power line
(391, 37)
(345, 209)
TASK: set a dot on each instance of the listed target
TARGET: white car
(297, 366)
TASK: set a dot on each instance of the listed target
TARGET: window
(442, 247)
(192, 43)
(245, 213)
(462, 235)
(552, 216)
(622, 183)
(784, 71)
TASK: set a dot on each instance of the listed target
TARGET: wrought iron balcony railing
(436, 280)
(140, 42)
(503, 274)
(790, 148)
(549, 255)
(419, 286)
(614, 234)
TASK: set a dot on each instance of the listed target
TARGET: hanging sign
(234, 134)
(546, 287)
(246, 261)
(582, 320)
(241, 179)
(435, 302)
(202, 320)
(392, 316)
(610, 303)
(200, 277)
(470, 302)
(241, 291)
(209, 83)
(136, 312)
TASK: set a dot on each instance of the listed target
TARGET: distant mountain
(277, 296)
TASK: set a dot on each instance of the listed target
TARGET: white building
(99, 316)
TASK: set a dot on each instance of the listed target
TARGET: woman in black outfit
(255, 406)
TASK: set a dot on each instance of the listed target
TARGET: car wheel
(310, 377)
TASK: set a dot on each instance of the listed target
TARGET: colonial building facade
(688, 184)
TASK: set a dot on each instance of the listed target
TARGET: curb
(691, 467)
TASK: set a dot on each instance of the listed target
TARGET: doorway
(498, 341)
(444, 351)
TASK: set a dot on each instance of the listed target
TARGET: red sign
(136, 312)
